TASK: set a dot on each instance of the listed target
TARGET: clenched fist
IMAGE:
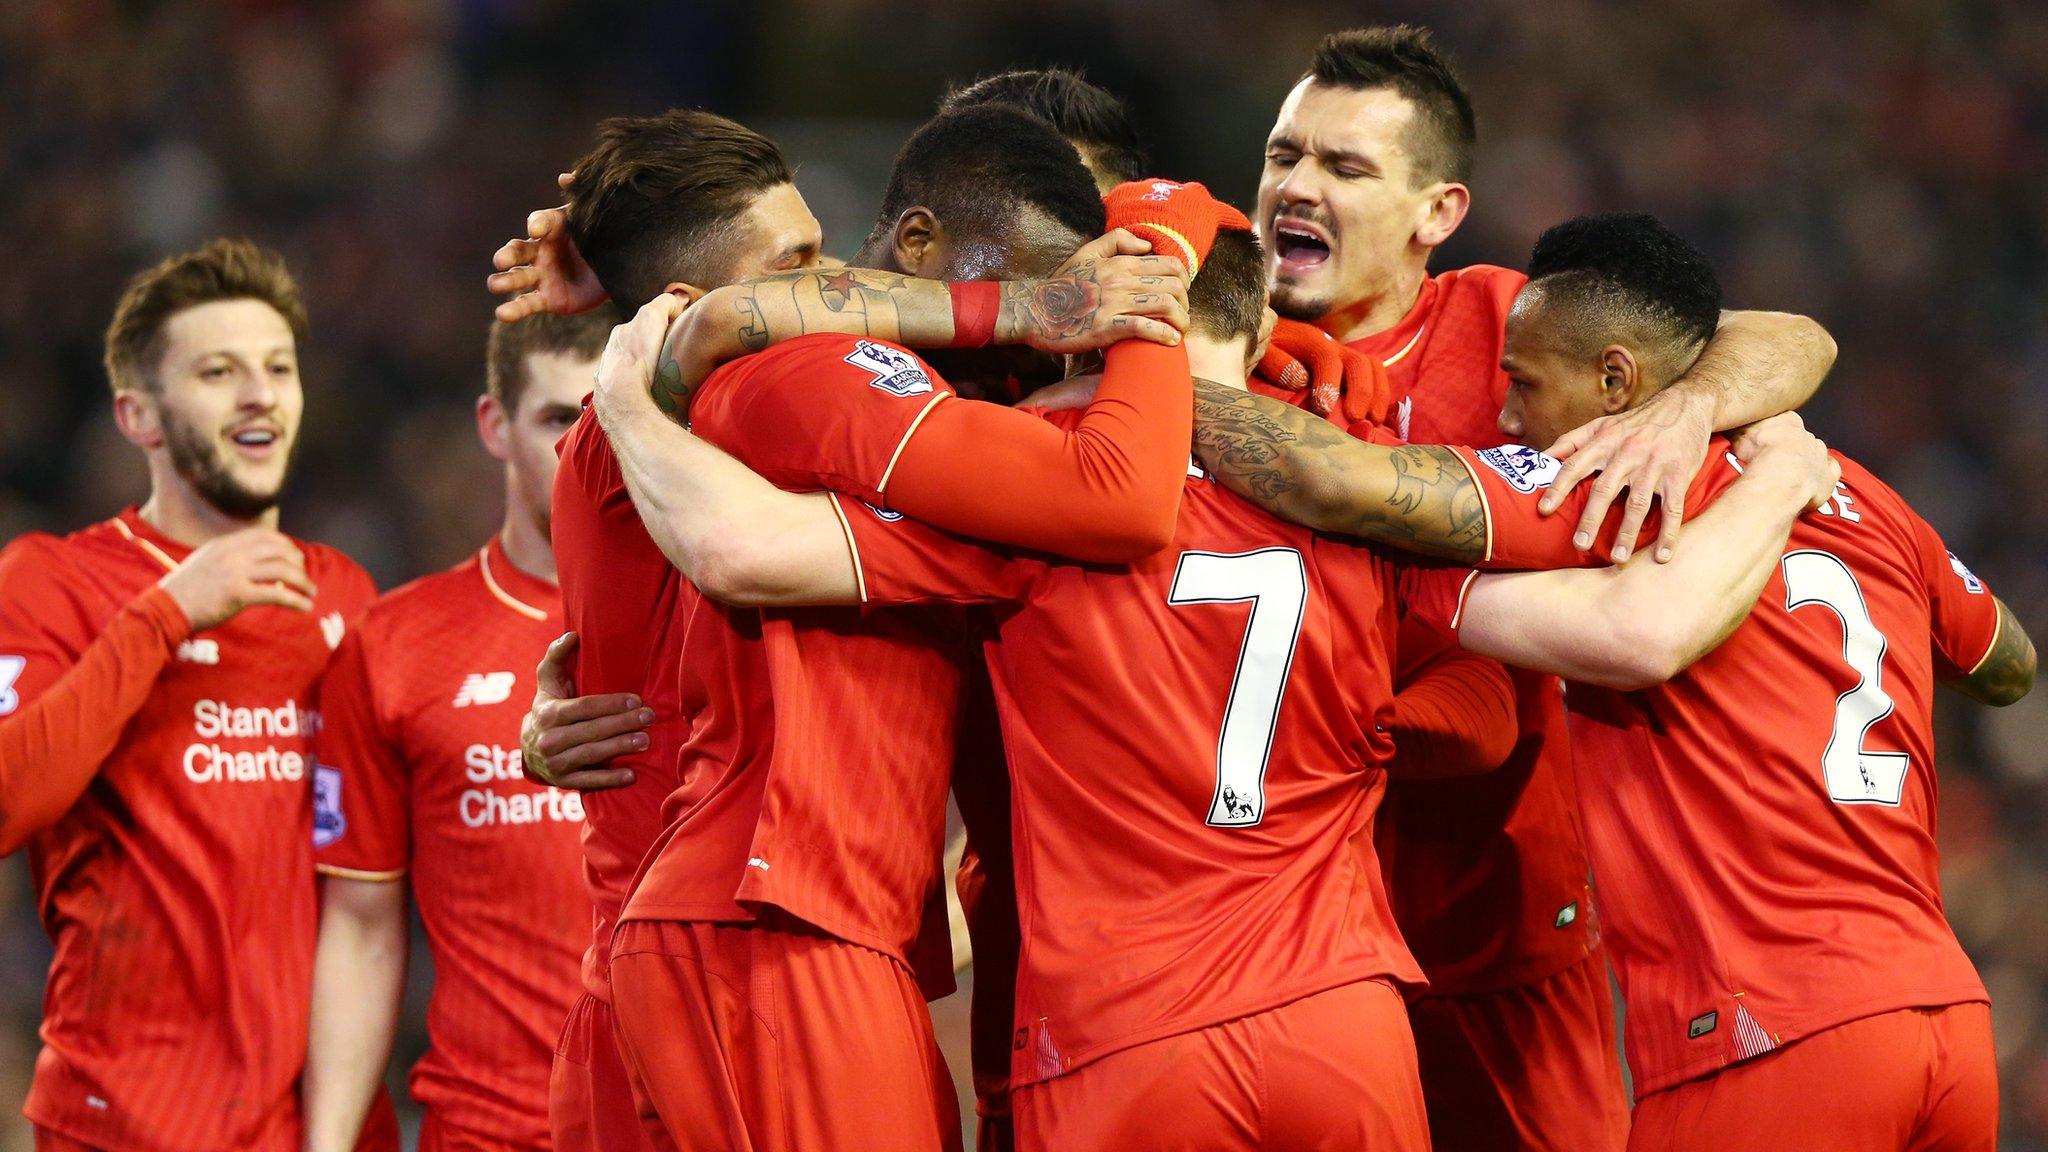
(236, 571)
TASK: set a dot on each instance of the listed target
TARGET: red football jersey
(419, 773)
(1488, 873)
(1196, 745)
(630, 609)
(814, 778)
(179, 889)
(1762, 825)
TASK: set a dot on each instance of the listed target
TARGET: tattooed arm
(1092, 302)
(1302, 468)
(2007, 671)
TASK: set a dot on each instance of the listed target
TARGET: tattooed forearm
(2006, 674)
(1059, 308)
(1302, 468)
(753, 329)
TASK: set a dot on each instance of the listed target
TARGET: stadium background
(1878, 166)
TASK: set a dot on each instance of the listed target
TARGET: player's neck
(1379, 309)
(175, 509)
(526, 545)
(1219, 361)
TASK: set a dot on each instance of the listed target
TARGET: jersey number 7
(1852, 775)
(1276, 583)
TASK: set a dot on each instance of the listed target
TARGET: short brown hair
(505, 379)
(1404, 58)
(224, 269)
(647, 206)
(1227, 298)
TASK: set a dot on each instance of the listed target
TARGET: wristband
(975, 306)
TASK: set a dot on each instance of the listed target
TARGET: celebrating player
(1365, 176)
(1760, 811)
(419, 779)
(156, 675)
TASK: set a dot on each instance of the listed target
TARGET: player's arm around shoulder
(1304, 469)
(1638, 624)
(740, 539)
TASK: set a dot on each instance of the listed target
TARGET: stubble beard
(197, 460)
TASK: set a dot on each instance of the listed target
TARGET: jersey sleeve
(1962, 612)
(865, 418)
(820, 412)
(67, 688)
(1512, 479)
(361, 829)
(1454, 711)
(898, 560)
(1104, 487)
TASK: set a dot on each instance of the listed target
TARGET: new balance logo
(484, 688)
(199, 651)
(333, 627)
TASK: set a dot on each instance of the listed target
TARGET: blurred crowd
(1876, 165)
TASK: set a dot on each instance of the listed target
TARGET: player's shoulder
(426, 604)
(326, 563)
(35, 549)
(1489, 285)
(828, 356)
(45, 558)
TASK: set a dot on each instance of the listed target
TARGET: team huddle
(1338, 669)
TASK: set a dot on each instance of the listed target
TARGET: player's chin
(1296, 301)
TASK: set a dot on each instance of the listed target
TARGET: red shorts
(1915, 1080)
(590, 1095)
(436, 1136)
(1528, 1069)
(1331, 1071)
(775, 1037)
(380, 1131)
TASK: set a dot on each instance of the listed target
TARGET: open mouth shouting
(1300, 246)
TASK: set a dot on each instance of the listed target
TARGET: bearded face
(228, 401)
(199, 459)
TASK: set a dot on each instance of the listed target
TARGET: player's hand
(566, 739)
(543, 272)
(635, 351)
(1651, 452)
(1782, 445)
(1107, 291)
(236, 571)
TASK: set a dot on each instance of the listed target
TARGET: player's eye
(213, 372)
(1282, 158)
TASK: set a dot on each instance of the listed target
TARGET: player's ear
(1620, 375)
(689, 292)
(914, 240)
(139, 417)
(1442, 212)
(1268, 320)
(493, 426)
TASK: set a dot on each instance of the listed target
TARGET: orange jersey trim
(483, 566)
(882, 486)
(358, 874)
(162, 557)
(860, 576)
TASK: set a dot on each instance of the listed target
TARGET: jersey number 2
(1276, 583)
(1853, 776)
